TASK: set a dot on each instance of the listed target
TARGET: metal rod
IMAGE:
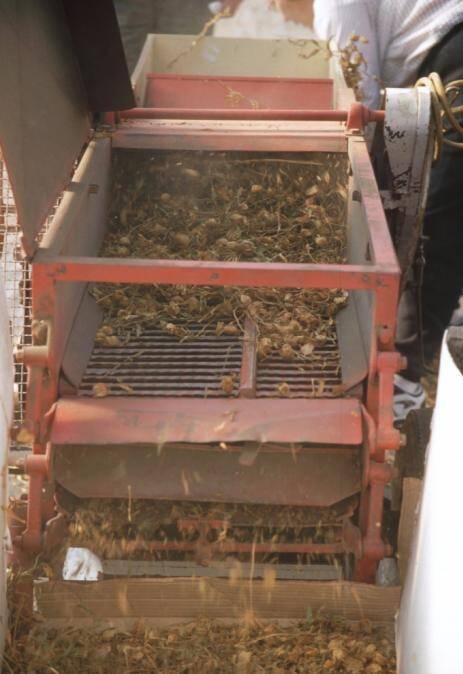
(187, 272)
(250, 114)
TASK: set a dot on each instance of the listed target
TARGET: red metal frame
(380, 278)
(168, 90)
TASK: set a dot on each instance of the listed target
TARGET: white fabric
(82, 564)
(400, 34)
(259, 19)
(429, 623)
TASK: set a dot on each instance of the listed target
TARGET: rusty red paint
(245, 93)
(358, 118)
(186, 272)
(161, 420)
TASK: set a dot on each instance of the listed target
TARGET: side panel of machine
(78, 229)
(43, 117)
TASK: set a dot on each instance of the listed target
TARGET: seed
(287, 351)
(307, 349)
(112, 340)
(182, 240)
(227, 384)
(264, 347)
(100, 390)
(231, 329)
(190, 173)
(283, 389)
(236, 217)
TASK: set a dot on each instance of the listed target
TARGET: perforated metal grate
(319, 377)
(156, 364)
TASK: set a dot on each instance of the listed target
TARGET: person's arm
(338, 20)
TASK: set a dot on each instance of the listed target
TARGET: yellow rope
(445, 113)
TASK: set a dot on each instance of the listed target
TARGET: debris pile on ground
(227, 207)
(206, 647)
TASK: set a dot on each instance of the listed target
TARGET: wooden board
(166, 601)
(411, 494)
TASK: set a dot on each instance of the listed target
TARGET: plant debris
(117, 528)
(349, 56)
(207, 647)
(229, 207)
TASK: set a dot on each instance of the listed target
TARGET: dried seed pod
(256, 188)
(173, 309)
(245, 300)
(106, 330)
(247, 248)
(307, 349)
(231, 329)
(287, 351)
(170, 328)
(100, 390)
(124, 241)
(321, 240)
(190, 173)
(159, 230)
(264, 347)
(194, 304)
(24, 436)
(112, 340)
(227, 384)
(283, 389)
(165, 197)
(182, 240)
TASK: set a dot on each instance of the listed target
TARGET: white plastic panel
(429, 625)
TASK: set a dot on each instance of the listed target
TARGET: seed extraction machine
(176, 436)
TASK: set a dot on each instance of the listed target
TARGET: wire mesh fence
(15, 273)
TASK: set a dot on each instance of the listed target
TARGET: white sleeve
(336, 20)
